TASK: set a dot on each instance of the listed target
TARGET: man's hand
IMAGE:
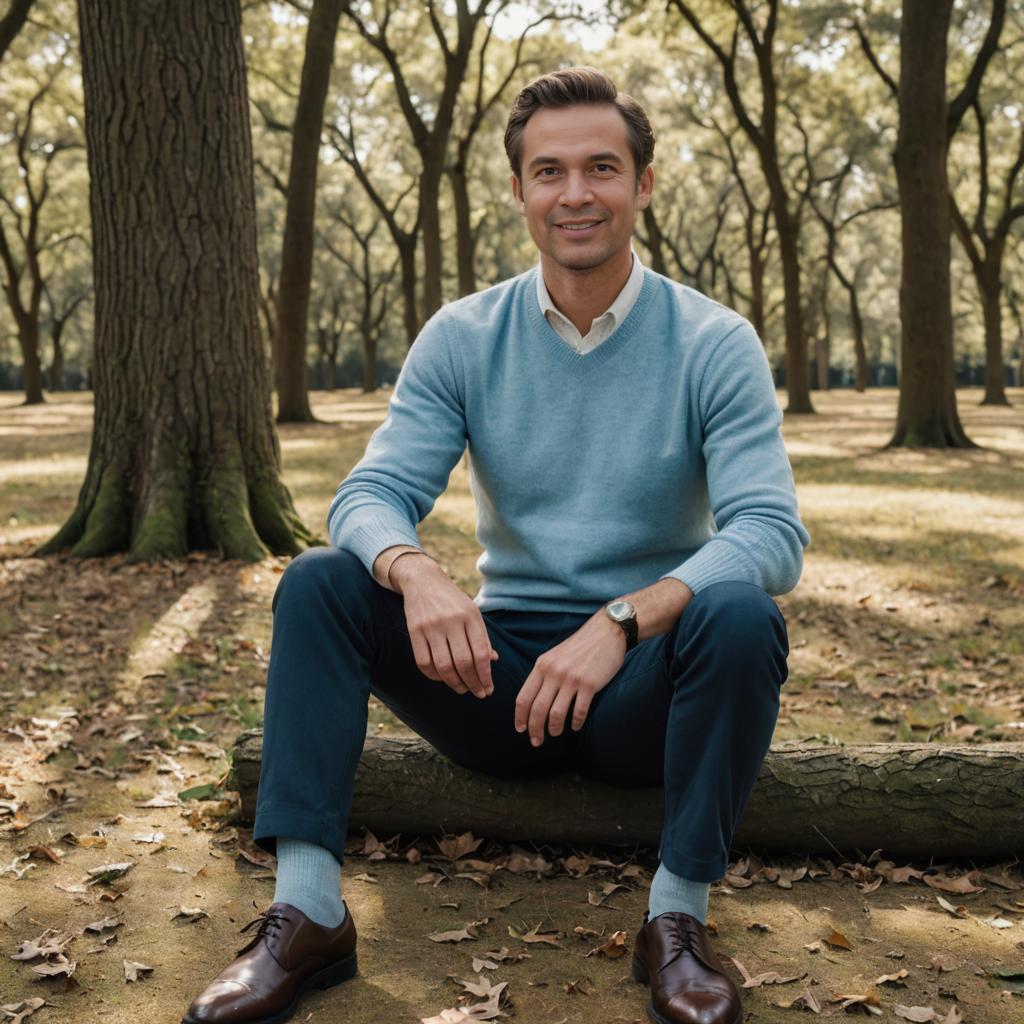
(449, 638)
(570, 674)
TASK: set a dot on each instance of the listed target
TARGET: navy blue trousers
(693, 709)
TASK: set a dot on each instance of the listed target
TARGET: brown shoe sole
(343, 970)
(642, 976)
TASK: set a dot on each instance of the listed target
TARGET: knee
(739, 621)
(319, 571)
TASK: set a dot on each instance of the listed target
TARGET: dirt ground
(122, 686)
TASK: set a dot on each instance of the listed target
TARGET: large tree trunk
(912, 799)
(927, 415)
(184, 453)
(991, 287)
(297, 246)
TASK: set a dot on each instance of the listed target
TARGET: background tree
(26, 238)
(763, 134)
(927, 414)
(297, 245)
(184, 453)
(11, 23)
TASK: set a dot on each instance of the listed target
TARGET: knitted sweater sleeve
(759, 537)
(409, 457)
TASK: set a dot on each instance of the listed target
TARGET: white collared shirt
(602, 327)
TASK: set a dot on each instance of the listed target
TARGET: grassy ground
(118, 684)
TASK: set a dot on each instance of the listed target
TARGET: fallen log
(909, 799)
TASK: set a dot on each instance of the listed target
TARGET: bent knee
(317, 570)
(739, 615)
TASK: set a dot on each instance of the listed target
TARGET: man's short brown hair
(567, 88)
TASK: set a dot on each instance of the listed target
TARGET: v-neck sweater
(658, 454)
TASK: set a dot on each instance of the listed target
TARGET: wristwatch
(623, 613)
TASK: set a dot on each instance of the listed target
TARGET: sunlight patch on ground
(32, 469)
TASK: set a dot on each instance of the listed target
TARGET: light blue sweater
(657, 454)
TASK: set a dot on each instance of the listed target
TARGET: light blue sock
(671, 892)
(309, 878)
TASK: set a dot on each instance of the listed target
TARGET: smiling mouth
(584, 226)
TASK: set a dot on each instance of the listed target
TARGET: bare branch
(968, 94)
(865, 45)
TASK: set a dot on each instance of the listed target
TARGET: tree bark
(297, 245)
(184, 453)
(913, 799)
(991, 287)
(57, 365)
(12, 22)
(465, 249)
(860, 353)
(926, 416)
(28, 340)
(654, 241)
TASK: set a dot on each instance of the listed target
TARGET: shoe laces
(681, 937)
(269, 922)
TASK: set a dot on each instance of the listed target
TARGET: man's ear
(644, 188)
(517, 194)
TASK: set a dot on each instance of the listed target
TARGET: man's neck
(583, 295)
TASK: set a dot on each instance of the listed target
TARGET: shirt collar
(618, 310)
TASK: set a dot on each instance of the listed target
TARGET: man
(635, 506)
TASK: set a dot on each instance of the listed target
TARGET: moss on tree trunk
(184, 454)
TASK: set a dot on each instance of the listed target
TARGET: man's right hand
(449, 638)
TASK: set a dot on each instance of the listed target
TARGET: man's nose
(576, 190)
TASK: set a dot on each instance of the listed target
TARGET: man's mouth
(578, 226)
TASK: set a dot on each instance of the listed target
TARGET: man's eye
(602, 168)
(543, 172)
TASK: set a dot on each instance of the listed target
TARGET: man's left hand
(570, 674)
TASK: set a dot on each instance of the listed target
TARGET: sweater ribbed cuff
(717, 561)
(368, 538)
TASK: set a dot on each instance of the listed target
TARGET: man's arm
(573, 672)
(392, 489)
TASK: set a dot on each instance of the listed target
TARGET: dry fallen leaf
(457, 847)
(838, 939)
(770, 978)
(189, 913)
(613, 948)
(805, 1001)
(133, 969)
(482, 987)
(960, 911)
(867, 1001)
(15, 1013)
(893, 979)
(457, 935)
(108, 872)
(536, 935)
(962, 886)
(51, 943)
(926, 1015)
(596, 899)
(107, 922)
(60, 965)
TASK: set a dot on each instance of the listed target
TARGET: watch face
(620, 610)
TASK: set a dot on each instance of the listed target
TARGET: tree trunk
(57, 366)
(465, 239)
(926, 415)
(757, 264)
(407, 258)
(991, 286)
(184, 453)
(797, 382)
(32, 370)
(430, 219)
(822, 357)
(860, 353)
(297, 246)
(654, 242)
(12, 22)
(369, 362)
(912, 799)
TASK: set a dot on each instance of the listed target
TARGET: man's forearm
(386, 559)
(658, 606)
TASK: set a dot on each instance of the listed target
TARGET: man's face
(579, 191)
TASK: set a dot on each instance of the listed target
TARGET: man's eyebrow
(594, 158)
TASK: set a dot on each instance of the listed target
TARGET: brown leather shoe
(673, 955)
(289, 954)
